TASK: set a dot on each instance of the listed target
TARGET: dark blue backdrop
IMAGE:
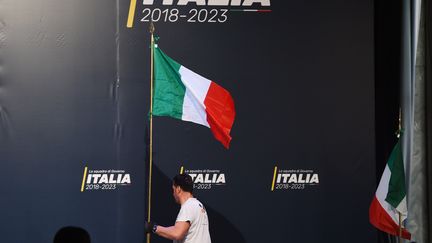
(74, 93)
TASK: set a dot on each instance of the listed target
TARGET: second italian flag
(390, 197)
(180, 93)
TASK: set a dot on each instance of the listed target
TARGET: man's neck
(184, 197)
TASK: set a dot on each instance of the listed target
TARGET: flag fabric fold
(182, 94)
(390, 196)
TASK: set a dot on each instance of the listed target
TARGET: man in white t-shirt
(192, 224)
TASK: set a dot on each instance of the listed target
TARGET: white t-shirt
(193, 211)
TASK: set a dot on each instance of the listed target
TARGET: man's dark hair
(184, 181)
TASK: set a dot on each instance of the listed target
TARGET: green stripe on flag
(396, 191)
(169, 90)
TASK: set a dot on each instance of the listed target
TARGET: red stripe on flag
(220, 113)
(381, 220)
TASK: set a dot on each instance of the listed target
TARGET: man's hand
(176, 232)
(150, 227)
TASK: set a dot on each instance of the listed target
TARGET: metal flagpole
(399, 133)
(400, 227)
(151, 29)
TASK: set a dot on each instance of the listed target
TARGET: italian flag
(180, 93)
(390, 196)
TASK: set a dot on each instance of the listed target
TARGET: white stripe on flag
(381, 194)
(196, 92)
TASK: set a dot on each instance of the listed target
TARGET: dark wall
(74, 93)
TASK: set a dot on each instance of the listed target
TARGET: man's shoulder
(193, 202)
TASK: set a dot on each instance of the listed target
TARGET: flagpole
(400, 227)
(151, 29)
(399, 213)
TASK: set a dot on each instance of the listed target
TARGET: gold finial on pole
(151, 28)
(399, 131)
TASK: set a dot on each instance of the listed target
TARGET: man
(191, 225)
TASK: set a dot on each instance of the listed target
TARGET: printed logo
(193, 11)
(104, 179)
(293, 179)
(205, 179)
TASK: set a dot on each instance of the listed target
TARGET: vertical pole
(399, 133)
(151, 128)
(400, 227)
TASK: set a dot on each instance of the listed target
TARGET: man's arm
(175, 232)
